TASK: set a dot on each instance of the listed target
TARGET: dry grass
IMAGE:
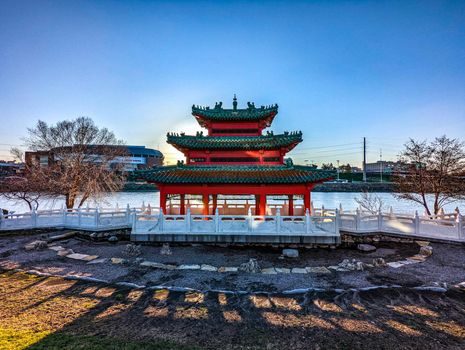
(53, 313)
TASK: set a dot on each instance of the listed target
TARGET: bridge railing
(330, 221)
(235, 224)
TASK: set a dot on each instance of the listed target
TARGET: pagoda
(236, 158)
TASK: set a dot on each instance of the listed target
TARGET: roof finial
(235, 102)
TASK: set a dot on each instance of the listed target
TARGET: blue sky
(339, 70)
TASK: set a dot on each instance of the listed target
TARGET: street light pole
(337, 170)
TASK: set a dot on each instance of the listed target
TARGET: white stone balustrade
(149, 220)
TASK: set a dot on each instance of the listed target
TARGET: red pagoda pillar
(257, 204)
(163, 201)
(291, 204)
(307, 202)
(262, 205)
(182, 205)
(215, 202)
(205, 204)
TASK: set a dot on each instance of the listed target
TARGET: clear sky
(339, 70)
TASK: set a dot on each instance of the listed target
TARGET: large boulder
(113, 239)
(132, 250)
(250, 266)
(378, 262)
(165, 249)
(366, 247)
(291, 253)
(426, 250)
(36, 245)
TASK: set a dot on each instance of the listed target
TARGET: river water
(328, 199)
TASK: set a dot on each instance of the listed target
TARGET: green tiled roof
(269, 141)
(234, 174)
(218, 113)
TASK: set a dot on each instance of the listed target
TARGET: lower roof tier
(234, 174)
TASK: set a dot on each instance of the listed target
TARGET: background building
(386, 167)
(136, 157)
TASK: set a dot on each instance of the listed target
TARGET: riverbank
(380, 187)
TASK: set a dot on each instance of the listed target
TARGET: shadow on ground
(53, 313)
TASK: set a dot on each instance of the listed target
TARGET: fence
(236, 224)
(321, 222)
(86, 219)
(446, 227)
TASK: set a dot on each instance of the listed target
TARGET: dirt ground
(446, 265)
(256, 315)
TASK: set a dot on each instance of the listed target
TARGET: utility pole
(337, 170)
(381, 164)
(364, 160)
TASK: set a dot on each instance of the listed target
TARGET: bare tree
(17, 154)
(434, 169)
(29, 188)
(86, 161)
(370, 202)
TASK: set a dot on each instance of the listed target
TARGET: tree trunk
(69, 200)
(83, 199)
(425, 204)
(436, 204)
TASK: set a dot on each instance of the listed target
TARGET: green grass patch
(61, 341)
(13, 339)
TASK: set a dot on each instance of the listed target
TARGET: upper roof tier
(220, 114)
(264, 142)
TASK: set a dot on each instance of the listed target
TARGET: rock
(65, 252)
(252, 266)
(395, 264)
(98, 261)
(291, 253)
(461, 286)
(422, 243)
(165, 249)
(417, 257)
(353, 265)
(227, 269)
(426, 250)
(158, 265)
(317, 269)
(65, 235)
(269, 271)
(206, 267)
(113, 239)
(56, 248)
(82, 257)
(36, 245)
(298, 270)
(282, 270)
(132, 249)
(189, 267)
(118, 261)
(366, 247)
(379, 262)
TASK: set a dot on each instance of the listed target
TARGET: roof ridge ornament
(235, 103)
